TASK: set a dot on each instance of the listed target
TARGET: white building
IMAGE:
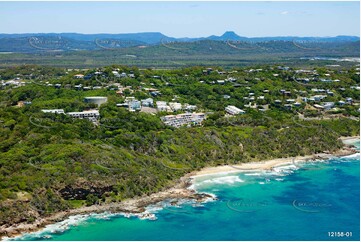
(147, 102)
(234, 110)
(162, 106)
(57, 111)
(188, 107)
(184, 119)
(92, 115)
(175, 106)
(134, 105)
(79, 76)
(328, 105)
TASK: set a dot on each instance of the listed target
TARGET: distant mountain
(32, 42)
(228, 35)
(147, 37)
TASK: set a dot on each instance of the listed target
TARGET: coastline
(134, 206)
(269, 164)
(180, 191)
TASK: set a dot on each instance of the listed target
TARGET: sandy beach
(269, 164)
(350, 140)
(179, 191)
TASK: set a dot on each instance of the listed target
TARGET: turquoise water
(293, 202)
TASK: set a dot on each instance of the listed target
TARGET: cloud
(285, 12)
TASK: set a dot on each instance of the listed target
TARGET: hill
(33, 42)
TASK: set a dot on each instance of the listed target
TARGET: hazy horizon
(186, 36)
(184, 19)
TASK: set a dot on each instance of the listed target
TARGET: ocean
(315, 201)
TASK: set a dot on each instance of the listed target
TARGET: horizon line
(274, 36)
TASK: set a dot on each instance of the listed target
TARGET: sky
(183, 19)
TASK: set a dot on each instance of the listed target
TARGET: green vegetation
(62, 163)
(179, 55)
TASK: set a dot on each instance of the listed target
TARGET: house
(88, 77)
(155, 93)
(79, 76)
(234, 110)
(287, 93)
(116, 74)
(318, 106)
(147, 102)
(78, 87)
(134, 105)
(288, 106)
(318, 98)
(175, 106)
(162, 106)
(349, 100)
(21, 104)
(129, 99)
(329, 93)
(122, 105)
(189, 107)
(328, 105)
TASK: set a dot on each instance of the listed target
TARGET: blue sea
(316, 201)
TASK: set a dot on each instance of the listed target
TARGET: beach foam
(353, 156)
(56, 228)
(76, 220)
(229, 180)
(253, 174)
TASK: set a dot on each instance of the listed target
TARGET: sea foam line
(76, 220)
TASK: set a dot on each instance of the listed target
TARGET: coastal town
(311, 93)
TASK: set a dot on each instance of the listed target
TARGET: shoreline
(269, 164)
(180, 191)
(135, 206)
